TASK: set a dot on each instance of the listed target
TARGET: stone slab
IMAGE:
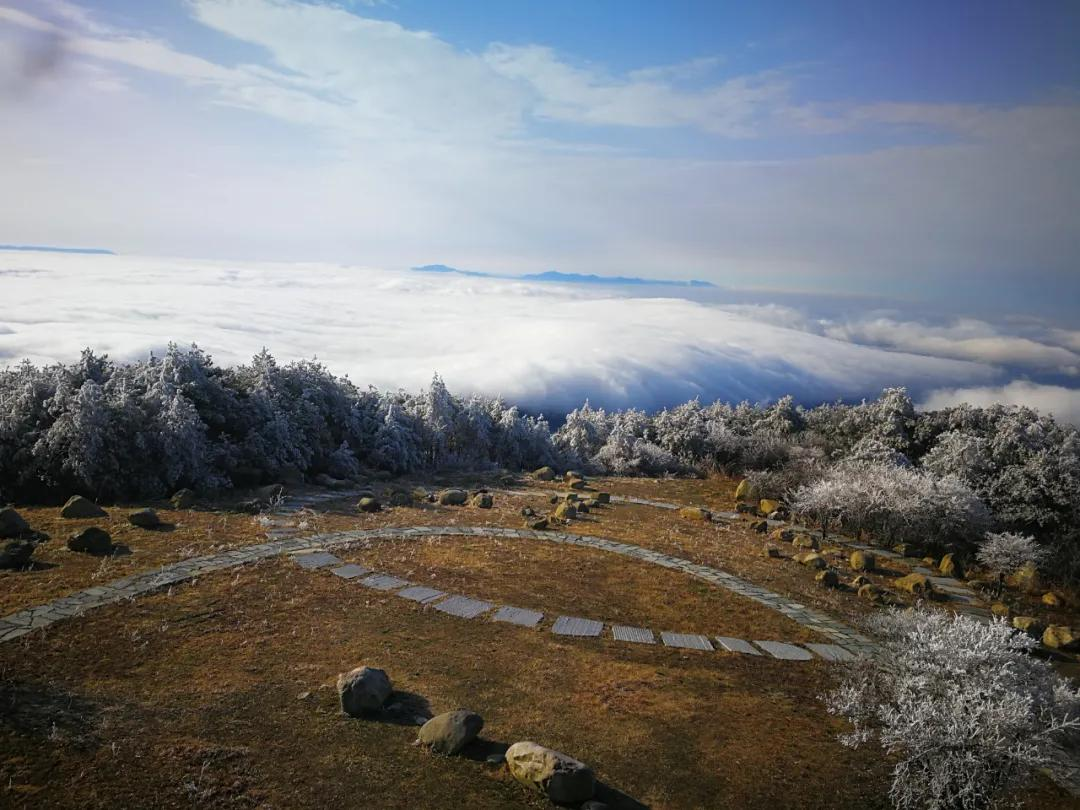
(464, 607)
(518, 616)
(737, 645)
(383, 582)
(783, 651)
(686, 641)
(350, 571)
(315, 559)
(635, 635)
(831, 652)
(421, 594)
(574, 626)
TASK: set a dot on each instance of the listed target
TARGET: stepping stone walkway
(464, 607)
(737, 645)
(518, 616)
(686, 641)
(635, 635)
(383, 582)
(573, 626)
(783, 651)
(421, 594)
(318, 559)
(350, 571)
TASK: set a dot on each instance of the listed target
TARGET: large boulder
(576, 483)
(1060, 637)
(483, 500)
(183, 499)
(949, 567)
(363, 690)
(828, 578)
(915, 584)
(745, 491)
(401, 497)
(91, 540)
(12, 525)
(544, 474)
(695, 513)
(453, 497)
(79, 507)
(863, 561)
(783, 534)
(571, 475)
(536, 523)
(806, 541)
(144, 519)
(15, 554)
(812, 560)
(566, 511)
(562, 778)
(450, 732)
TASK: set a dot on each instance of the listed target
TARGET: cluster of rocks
(748, 501)
(480, 499)
(567, 507)
(365, 691)
(19, 540)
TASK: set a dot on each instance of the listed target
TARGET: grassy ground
(219, 693)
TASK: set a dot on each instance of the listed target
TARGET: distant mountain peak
(567, 278)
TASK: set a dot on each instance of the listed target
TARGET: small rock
(603, 497)
(15, 554)
(916, 584)
(863, 561)
(806, 541)
(1051, 599)
(538, 524)
(583, 508)
(773, 552)
(401, 497)
(1030, 625)
(571, 497)
(828, 578)
(784, 535)
(745, 508)
(450, 732)
(183, 499)
(1001, 609)
(527, 511)
(695, 513)
(872, 593)
(368, 505)
(859, 581)
(544, 474)
(419, 495)
(576, 483)
(571, 475)
(363, 690)
(812, 560)
(144, 519)
(553, 499)
(562, 778)
(746, 491)
(12, 525)
(483, 501)
(759, 526)
(78, 507)
(767, 506)
(453, 497)
(91, 541)
(566, 511)
(1060, 637)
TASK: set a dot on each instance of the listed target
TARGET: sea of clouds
(547, 347)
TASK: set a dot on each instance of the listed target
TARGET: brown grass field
(219, 693)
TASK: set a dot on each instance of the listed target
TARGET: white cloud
(1062, 403)
(545, 346)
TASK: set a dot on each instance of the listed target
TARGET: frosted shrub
(1006, 552)
(963, 706)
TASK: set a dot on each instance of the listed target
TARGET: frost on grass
(964, 708)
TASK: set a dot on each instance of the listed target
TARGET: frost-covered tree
(1005, 552)
(963, 706)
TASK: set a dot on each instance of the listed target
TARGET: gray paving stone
(350, 571)
(831, 652)
(463, 607)
(316, 559)
(421, 594)
(737, 645)
(636, 635)
(687, 641)
(784, 651)
(574, 626)
(383, 582)
(518, 616)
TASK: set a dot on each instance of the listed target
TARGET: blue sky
(924, 151)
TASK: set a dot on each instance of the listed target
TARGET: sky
(903, 177)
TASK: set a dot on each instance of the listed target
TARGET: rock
(593, 804)
(271, 493)
(363, 690)
(576, 483)
(544, 474)
(859, 581)
(828, 578)
(772, 552)
(553, 499)
(12, 525)
(583, 508)
(916, 584)
(592, 503)
(767, 506)
(368, 505)
(746, 491)
(144, 519)
(872, 593)
(566, 511)
(419, 495)
(949, 567)
(603, 497)
(329, 482)
(562, 778)
(80, 507)
(483, 501)
(539, 524)
(760, 526)
(527, 511)
(401, 497)
(1026, 578)
(570, 497)
(1001, 609)
(1030, 625)
(862, 561)
(183, 499)
(907, 550)
(15, 554)
(783, 535)
(806, 541)
(91, 540)
(812, 560)
(931, 561)
(450, 732)
(1051, 599)
(453, 497)
(570, 475)
(1060, 637)
(695, 513)
(745, 508)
